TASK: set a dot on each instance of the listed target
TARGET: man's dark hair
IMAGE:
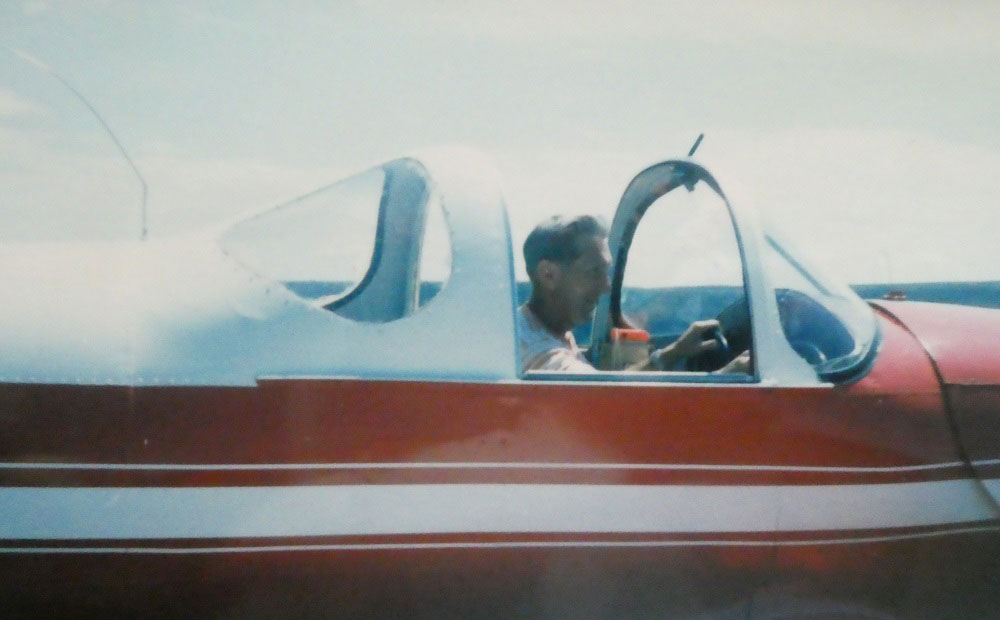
(557, 239)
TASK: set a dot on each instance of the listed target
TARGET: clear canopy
(824, 320)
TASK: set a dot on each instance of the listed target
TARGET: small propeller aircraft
(319, 410)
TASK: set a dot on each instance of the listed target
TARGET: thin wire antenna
(121, 148)
(696, 144)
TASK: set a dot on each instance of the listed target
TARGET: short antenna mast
(696, 144)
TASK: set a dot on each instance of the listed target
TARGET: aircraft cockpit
(381, 246)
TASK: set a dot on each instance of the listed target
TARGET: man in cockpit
(567, 260)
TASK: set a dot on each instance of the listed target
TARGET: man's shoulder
(531, 330)
(528, 324)
(542, 350)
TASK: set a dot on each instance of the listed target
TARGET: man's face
(581, 282)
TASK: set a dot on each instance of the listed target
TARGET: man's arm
(740, 364)
(693, 342)
(558, 360)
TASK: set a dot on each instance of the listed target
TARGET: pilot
(568, 261)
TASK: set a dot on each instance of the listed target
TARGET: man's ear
(548, 273)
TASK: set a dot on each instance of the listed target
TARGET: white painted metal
(181, 312)
(238, 512)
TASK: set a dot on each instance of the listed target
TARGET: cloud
(188, 192)
(868, 205)
(12, 104)
(875, 204)
(39, 7)
(898, 26)
(53, 196)
(33, 7)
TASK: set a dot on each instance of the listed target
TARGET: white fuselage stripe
(620, 544)
(91, 513)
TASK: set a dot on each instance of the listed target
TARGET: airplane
(320, 410)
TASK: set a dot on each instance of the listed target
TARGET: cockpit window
(684, 265)
(826, 323)
(373, 248)
(320, 245)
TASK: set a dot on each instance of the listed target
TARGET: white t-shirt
(541, 350)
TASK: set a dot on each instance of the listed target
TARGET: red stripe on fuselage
(892, 418)
(82, 476)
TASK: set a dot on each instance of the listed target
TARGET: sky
(866, 129)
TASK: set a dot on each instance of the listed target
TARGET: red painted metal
(976, 410)
(962, 340)
(933, 578)
(966, 354)
(893, 417)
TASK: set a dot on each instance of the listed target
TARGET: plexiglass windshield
(319, 245)
(374, 247)
(826, 323)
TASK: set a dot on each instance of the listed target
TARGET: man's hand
(691, 343)
(741, 364)
(696, 339)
